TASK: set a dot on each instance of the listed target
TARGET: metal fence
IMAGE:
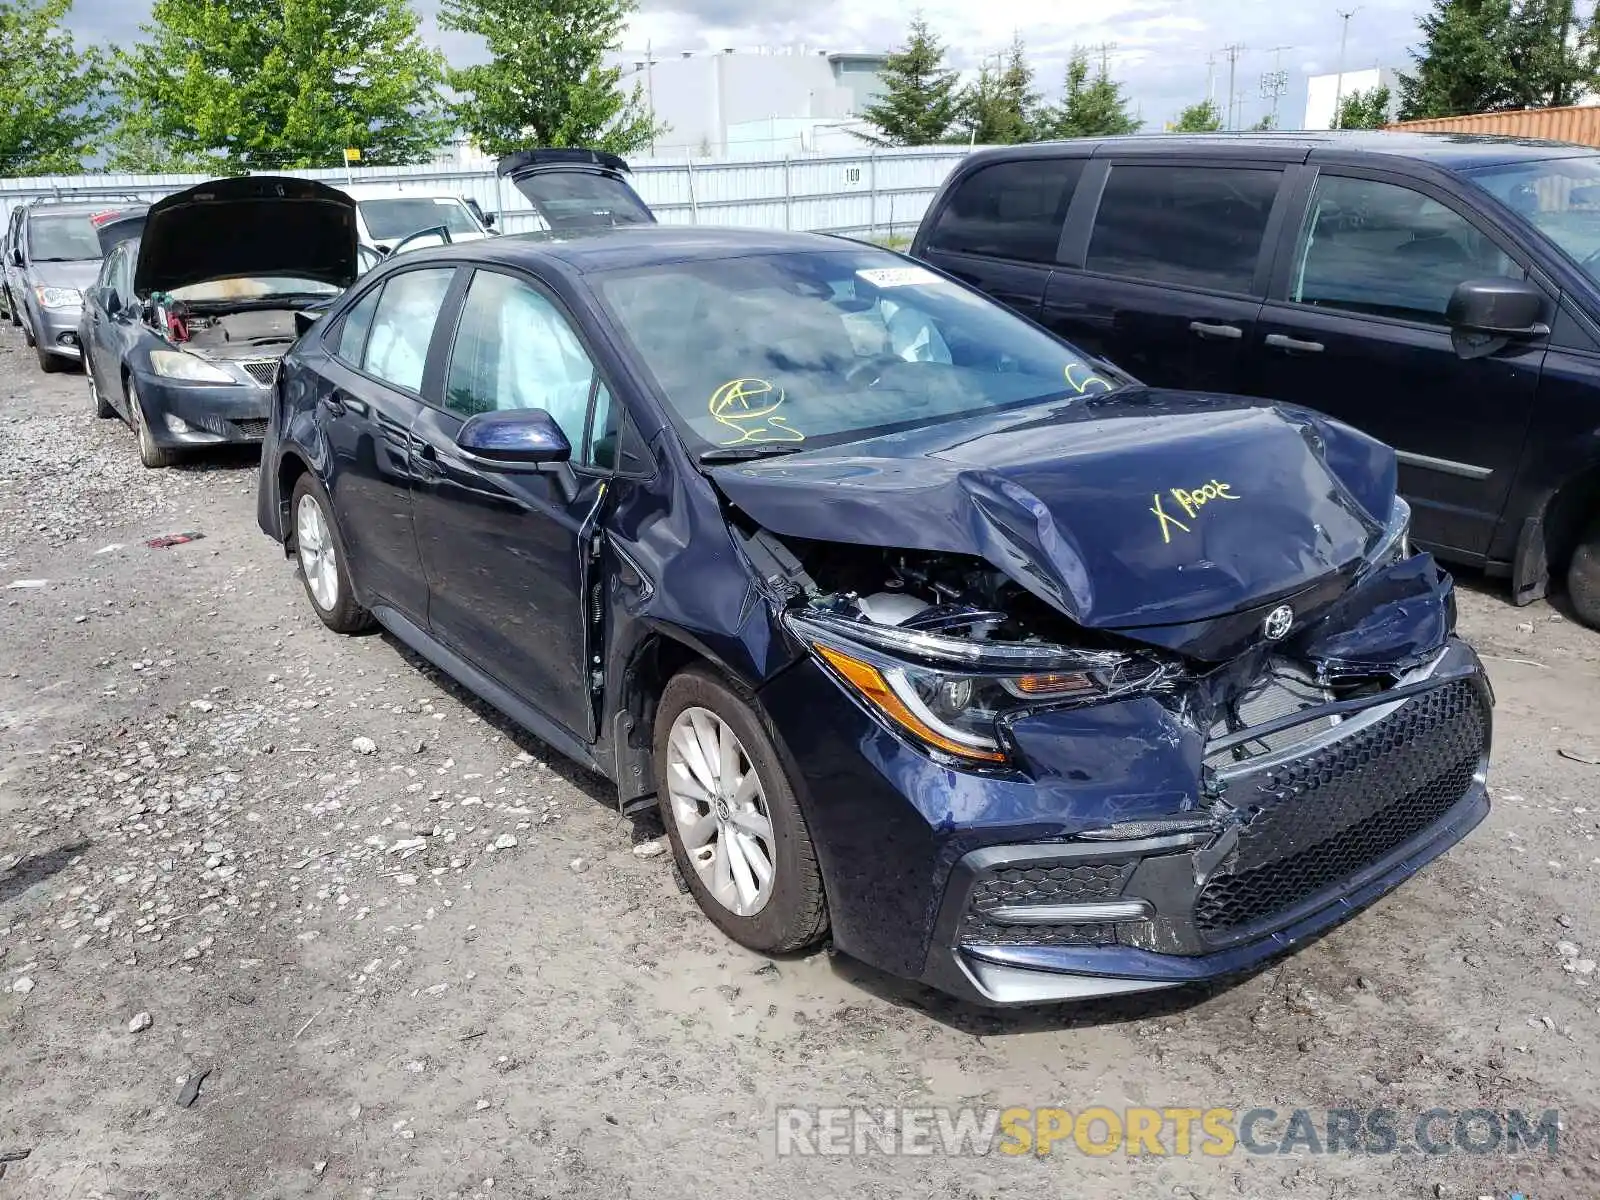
(877, 193)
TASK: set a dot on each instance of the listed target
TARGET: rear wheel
(150, 454)
(731, 815)
(322, 560)
(49, 363)
(1583, 576)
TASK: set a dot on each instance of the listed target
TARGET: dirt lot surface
(413, 954)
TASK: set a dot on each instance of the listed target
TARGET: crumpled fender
(1392, 620)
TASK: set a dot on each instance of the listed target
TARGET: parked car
(10, 309)
(54, 253)
(388, 216)
(918, 625)
(1440, 293)
(197, 301)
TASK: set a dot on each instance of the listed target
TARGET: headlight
(58, 297)
(175, 364)
(1395, 542)
(952, 694)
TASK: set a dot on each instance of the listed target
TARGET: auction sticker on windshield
(889, 277)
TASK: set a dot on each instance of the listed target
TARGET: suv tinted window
(1009, 210)
(1388, 250)
(1197, 226)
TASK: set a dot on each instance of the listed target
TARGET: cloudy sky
(1161, 45)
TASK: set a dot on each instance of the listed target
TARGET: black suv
(1439, 292)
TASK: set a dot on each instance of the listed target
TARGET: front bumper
(1120, 864)
(56, 332)
(216, 413)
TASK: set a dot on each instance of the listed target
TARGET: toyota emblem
(1278, 623)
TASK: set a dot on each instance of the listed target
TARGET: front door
(1173, 272)
(507, 550)
(1356, 329)
(370, 394)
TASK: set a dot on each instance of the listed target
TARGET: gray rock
(1567, 949)
(649, 849)
(364, 745)
(140, 1022)
(505, 841)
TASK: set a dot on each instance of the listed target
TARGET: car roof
(1450, 151)
(626, 246)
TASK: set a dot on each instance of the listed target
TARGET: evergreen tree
(268, 84)
(1463, 66)
(547, 82)
(50, 95)
(1001, 108)
(1090, 107)
(1365, 110)
(1204, 117)
(919, 104)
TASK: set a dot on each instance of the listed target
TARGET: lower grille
(253, 427)
(263, 370)
(1324, 817)
(1082, 883)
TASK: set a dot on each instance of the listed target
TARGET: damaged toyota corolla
(922, 628)
(197, 300)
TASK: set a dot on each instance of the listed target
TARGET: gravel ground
(387, 945)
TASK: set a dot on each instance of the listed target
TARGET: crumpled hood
(1138, 508)
(249, 226)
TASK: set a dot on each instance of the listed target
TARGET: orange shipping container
(1579, 124)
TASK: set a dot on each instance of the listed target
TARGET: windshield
(788, 351)
(1561, 196)
(390, 220)
(258, 287)
(64, 238)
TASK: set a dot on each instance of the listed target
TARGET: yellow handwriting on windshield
(1086, 379)
(750, 407)
(1190, 501)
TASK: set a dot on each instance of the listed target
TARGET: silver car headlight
(58, 297)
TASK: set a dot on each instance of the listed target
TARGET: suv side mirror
(1485, 314)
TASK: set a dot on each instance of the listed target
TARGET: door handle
(1231, 333)
(333, 402)
(1282, 341)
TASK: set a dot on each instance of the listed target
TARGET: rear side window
(1009, 210)
(1195, 226)
(402, 327)
(357, 324)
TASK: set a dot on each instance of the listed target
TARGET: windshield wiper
(726, 454)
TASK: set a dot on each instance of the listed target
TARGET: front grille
(1083, 883)
(263, 370)
(1324, 817)
(253, 427)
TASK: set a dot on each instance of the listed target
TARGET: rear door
(384, 353)
(1165, 276)
(507, 550)
(1000, 227)
(1355, 328)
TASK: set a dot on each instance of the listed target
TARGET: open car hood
(250, 226)
(575, 190)
(1137, 509)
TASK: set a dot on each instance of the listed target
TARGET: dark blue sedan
(922, 629)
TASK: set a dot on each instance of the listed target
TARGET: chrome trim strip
(1069, 914)
(1443, 465)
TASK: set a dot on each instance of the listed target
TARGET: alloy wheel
(318, 559)
(721, 811)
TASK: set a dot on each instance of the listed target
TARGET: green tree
(50, 95)
(1461, 66)
(1365, 110)
(1204, 117)
(920, 102)
(1001, 107)
(547, 83)
(263, 84)
(1090, 106)
(1266, 125)
(1550, 53)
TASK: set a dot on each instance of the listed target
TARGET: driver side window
(514, 349)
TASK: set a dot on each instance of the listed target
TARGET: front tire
(320, 552)
(1583, 576)
(97, 402)
(150, 454)
(736, 829)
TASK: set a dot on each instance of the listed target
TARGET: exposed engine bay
(208, 329)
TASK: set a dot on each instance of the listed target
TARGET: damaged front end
(1110, 815)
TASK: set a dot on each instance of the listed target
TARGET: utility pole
(1338, 86)
(1211, 78)
(1233, 53)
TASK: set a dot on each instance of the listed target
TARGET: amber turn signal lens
(1074, 683)
(869, 681)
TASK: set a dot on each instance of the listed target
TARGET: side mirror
(305, 321)
(1485, 314)
(525, 439)
(489, 219)
(110, 301)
